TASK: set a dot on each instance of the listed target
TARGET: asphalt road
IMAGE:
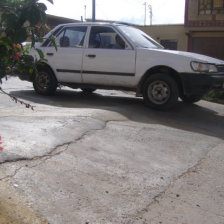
(107, 158)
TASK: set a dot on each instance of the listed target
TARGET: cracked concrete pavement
(106, 158)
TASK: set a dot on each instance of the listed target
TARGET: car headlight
(203, 67)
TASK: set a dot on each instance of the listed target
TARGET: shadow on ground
(193, 118)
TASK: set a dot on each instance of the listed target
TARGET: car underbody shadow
(196, 118)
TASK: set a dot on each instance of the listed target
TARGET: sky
(130, 11)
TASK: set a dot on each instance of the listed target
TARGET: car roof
(93, 23)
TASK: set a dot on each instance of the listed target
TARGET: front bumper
(199, 84)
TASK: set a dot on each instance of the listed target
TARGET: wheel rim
(43, 81)
(159, 92)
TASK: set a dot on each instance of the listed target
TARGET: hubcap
(43, 81)
(159, 92)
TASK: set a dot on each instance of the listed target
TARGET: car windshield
(139, 38)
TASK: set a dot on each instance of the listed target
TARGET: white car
(94, 56)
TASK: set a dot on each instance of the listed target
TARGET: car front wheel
(160, 91)
(44, 82)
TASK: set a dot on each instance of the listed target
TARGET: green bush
(20, 20)
(215, 96)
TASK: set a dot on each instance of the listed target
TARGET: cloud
(164, 11)
(168, 12)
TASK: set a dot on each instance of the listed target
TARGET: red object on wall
(1, 148)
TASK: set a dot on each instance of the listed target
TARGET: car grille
(220, 68)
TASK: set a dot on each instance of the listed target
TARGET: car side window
(71, 37)
(105, 37)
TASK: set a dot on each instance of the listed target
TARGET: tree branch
(16, 100)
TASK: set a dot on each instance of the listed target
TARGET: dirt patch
(14, 210)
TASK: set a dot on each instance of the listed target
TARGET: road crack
(59, 149)
(157, 197)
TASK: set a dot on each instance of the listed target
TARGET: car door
(107, 62)
(66, 61)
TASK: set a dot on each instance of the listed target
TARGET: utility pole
(94, 11)
(145, 4)
(85, 12)
(150, 13)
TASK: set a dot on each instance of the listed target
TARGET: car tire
(191, 98)
(160, 91)
(44, 82)
(88, 90)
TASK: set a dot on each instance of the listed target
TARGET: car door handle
(50, 54)
(91, 55)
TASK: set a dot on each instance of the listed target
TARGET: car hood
(192, 56)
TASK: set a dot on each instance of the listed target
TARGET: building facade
(170, 36)
(53, 21)
(204, 27)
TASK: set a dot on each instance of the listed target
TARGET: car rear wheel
(88, 90)
(191, 98)
(44, 82)
(160, 91)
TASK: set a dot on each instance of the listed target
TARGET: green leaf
(42, 6)
(3, 43)
(33, 15)
(40, 52)
(27, 48)
(32, 38)
(47, 27)
(55, 46)
(43, 17)
(41, 40)
(44, 60)
(10, 19)
(14, 14)
(20, 35)
(51, 1)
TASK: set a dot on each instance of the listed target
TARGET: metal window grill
(218, 4)
(208, 7)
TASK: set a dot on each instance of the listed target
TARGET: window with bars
(208, 7)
